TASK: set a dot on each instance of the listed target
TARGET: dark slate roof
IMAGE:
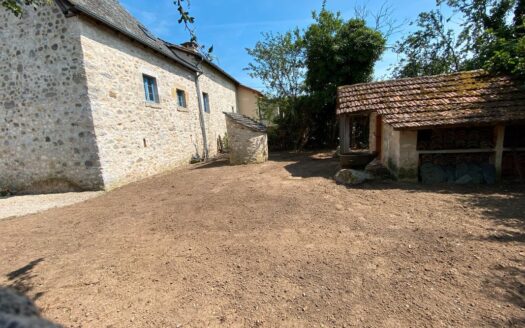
(112, 14)
(201, 58)
(246, 121)
(442, 100)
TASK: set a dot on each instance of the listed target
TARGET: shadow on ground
(309, 164)
(222, 160)
(21, 279)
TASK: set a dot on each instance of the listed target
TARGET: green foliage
(17, 6)
(302, 70)
(278, 61)
(430, 50)
(339, 52)
(188, 21)
(269, 108)
(491, 37)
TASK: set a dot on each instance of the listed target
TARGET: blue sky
(233, 25)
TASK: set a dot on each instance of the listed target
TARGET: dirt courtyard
(277, 244)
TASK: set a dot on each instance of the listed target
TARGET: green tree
(338, 52)
(430, 50)
(278, 61)
(302, 70)
(491, 37)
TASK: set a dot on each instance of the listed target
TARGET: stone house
(249, 102)
(92, 100)
(451, 126)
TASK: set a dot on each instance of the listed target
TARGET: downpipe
(201, 116)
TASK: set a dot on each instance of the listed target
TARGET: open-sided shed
(451, 122)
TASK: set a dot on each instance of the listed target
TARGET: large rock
(351, 177)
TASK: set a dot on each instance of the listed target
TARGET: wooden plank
(344, 134)
(499, 131)
(514, 149)
(457, 151)
(379, 134)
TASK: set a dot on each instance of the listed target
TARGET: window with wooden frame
(206, 100)
(151, 92)
(181, 98)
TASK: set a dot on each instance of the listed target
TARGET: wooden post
(498, 155)
(344, 134)
(379, 135)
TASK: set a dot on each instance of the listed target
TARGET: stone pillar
(408, 156)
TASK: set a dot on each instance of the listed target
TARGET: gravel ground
(274, 245)
(29, 204)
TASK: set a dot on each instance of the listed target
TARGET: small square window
(181, 98)
(206, 100)
(151, 91)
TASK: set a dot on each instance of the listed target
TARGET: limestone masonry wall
(74, 114)
(246, 146)
(399, 152)
(248, 102)
(223, 98)
(137, 139)
(47, 140)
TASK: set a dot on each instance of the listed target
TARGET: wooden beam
(344, 133)
(498, 156)
(457, 151)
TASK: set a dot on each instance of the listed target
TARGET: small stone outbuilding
(460, 128)
(247, 140)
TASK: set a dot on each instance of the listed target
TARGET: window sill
(183, 109)
(152, 104)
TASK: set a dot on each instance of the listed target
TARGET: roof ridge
(416, 78)
(115, 16)
(440, 100)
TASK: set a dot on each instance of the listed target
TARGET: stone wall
(248, 102)
(399, 152)
(246, 146)
(74, 112)
(223, 98)
(47, 140)
(138, 139)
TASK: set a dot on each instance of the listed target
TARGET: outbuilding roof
(473, 97)
(246, 121)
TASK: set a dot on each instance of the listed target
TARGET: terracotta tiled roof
(441, 100)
